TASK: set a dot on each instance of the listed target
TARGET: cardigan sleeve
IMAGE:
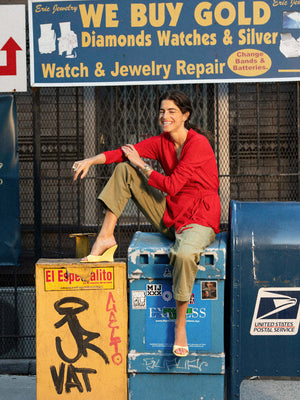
(112, 156)
(147, 148)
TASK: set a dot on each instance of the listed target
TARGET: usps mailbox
(152, 315)
(265, 292)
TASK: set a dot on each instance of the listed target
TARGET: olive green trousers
(127, 183)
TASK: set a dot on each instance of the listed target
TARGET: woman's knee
(183, 255)
(124, 172)
(122, 167)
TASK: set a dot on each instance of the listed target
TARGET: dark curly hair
(183, 102)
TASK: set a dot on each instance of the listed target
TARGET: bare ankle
(180, 324)
(102, 244)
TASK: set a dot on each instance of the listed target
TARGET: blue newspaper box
(10, 234)
(152, 322)
(264, 293)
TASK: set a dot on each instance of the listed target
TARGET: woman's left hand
(132, 155)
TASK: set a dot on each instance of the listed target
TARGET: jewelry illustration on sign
(67, 41)
(289, 46)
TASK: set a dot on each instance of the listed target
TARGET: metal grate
(129, 115)
(256, 145)
(256, 131)
(17, 322)
(264, 141)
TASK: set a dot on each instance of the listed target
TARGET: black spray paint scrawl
(83, 339)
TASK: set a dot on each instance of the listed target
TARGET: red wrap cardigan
(191, 184)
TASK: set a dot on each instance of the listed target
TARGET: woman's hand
(81, 167)
(132, 155)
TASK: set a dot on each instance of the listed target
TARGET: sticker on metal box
(138, 299)
(277, 312)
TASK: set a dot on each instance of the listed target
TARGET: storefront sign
(127, 42)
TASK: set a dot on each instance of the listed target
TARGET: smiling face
(171, 118)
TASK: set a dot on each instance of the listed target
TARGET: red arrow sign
(11, 48)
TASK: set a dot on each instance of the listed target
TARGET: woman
(189, 213)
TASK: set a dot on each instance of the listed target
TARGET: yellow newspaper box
(81, 334)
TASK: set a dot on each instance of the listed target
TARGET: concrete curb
(18, 367)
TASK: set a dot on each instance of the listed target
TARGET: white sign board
(13, 75)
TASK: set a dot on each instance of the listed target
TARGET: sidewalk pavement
(17, 379)
(18, 382)
(21, 387)
(270, 389)
(17, 387)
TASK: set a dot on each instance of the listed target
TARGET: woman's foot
(101, 245)
(180, 348)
